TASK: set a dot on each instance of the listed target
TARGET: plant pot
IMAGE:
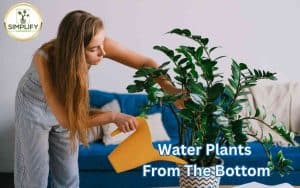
(189, 180)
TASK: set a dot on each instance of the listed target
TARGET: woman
(52, 101)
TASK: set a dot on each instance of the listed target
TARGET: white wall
(264, 34)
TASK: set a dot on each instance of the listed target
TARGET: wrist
(165, 84)
(114, 116)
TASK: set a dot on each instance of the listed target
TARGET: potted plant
(213, 105)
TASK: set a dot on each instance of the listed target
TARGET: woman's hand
(169, 88)
(125, 122)
(179, 103)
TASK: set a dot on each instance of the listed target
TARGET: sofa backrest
(132, 103)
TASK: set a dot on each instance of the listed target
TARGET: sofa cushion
(99, 98)
(132, 104)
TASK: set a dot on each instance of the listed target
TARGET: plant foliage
(212, 112)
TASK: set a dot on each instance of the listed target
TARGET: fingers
(134, 123)
(179, 104)
(124, 127)
(126, 123)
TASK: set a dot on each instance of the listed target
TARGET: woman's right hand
(125, 122)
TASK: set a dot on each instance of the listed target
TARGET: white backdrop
(264, 34)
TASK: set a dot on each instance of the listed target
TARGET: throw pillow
(279, 99)
(96, 133)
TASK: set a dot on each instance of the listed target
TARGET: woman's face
(94, 51)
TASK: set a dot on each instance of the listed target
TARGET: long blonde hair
(69, 70)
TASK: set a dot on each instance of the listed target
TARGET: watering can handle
(116, 132)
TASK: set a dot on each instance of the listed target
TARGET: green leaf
(182, 61)
(219, 111)
(243, 93)
(194, 74)
(207, 68)
(271, 165)
(223, 121)
(242, 100)
(186, 114)
(169, 98)
(149, 83)
(235, 71)
(213, 48)
(220, 57)
(134, 89)
(144, 71)
(159, 94)
(204, 41)
(273, 122)
(233, 83)
(178, 70)
(165, 50)
(164, 64)
(176, 57)
(179, 78)
(139, 83)
(197, 38)
(236, 108)
(189, 49)
(185, 52)
(199, 53)
(239, 136)
(196, 98)
(189, 66)
(256, 72)
(196, 88)
(257, 112)
(215, 91)
(182, 32)
(193, 106)
(243, 66)
(263, 113)
(229, 91)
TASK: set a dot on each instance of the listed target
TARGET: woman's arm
(124, 122)
(125, 56)
(132, 59)
(48, 90)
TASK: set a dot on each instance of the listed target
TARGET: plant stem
(237, 92)
(266, 150)
(269, 126)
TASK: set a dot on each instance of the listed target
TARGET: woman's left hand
(179, 103)
(169, 88)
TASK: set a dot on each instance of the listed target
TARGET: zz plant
(212, 113)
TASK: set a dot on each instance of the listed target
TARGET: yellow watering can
(137, 150)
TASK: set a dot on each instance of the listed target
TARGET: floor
(6, 180)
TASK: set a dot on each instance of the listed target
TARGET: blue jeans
(41, 145)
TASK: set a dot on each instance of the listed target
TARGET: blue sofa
(96, 171)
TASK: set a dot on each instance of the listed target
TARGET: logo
(23, 21)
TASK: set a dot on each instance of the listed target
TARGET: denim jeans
(41, 144)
